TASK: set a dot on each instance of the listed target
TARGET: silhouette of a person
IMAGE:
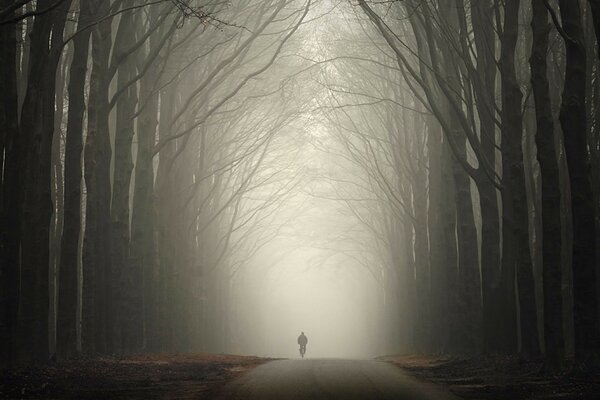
(302, 341)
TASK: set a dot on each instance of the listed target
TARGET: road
(317, 379)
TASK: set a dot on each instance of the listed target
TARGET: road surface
(317, 379)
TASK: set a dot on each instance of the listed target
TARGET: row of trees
(130, 132)
(477, 129)
(146, 148)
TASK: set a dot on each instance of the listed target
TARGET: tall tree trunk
(484, 35)
(422, 273)
(96, 268)
(551, 220)
(437, 260)
(37, 129)
(595, 8)
(164, 189)
(69, 247)
(516, 218)
(408, 277)
(573, 122)
(9, 191)
(127, 274)
(469, 290)
(57, 191)
(442, 233)
(469, 281)
(23, 55)
(593, 111)
(143, 252)
(449, 311)
(185, 273)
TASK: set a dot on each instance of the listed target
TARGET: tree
(573, 122)
(36, 133)
(514, 202)
(67, 318)
(9, 195)
(548, 158)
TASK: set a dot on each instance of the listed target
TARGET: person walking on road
(302, 341)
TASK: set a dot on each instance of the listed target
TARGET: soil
(160, 376)
(498, 378)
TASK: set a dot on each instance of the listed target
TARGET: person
(302, 341)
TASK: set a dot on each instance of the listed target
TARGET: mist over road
(330, 379)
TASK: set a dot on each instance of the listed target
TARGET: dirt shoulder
(159, 376)
(497, 378)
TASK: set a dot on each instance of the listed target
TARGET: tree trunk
(57, 192)
(127, 274)
(491, 283)
(449, 312)
(422, 272)
(595, 8)
(97, 302)
(69, 251)
(9, 191)
(437, 260)
(143, 252)
(164, 189)
(514, 199)
(408, 276)
(573, 122)
(469, 290)
(37, 129)
(442, 232)
(551, 219)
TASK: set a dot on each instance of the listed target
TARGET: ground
(161, 376)
(498, 378)
(208, 376)
(331, 379)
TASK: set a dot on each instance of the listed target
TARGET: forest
(424, 174)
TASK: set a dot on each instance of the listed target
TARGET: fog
(389, 177)
(304, 281)
(333, 310)
(314, 275)
(309, 261)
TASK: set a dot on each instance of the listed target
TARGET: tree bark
(595, 8)
(484, 35)
(57, 191)
(551, 218)
(143, 252)
(126, 274)
(437, 260)
(9, 192)
(97, 302)
(469, 290)
(37, 129)
(442, 231)
(573, 122)
(514, 199)
(67, 318)
(408, 276)
(422, 268)
(164, 189)
(450, 310)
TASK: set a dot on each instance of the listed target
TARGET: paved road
(330, 379)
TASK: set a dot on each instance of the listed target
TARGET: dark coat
(302, 340)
